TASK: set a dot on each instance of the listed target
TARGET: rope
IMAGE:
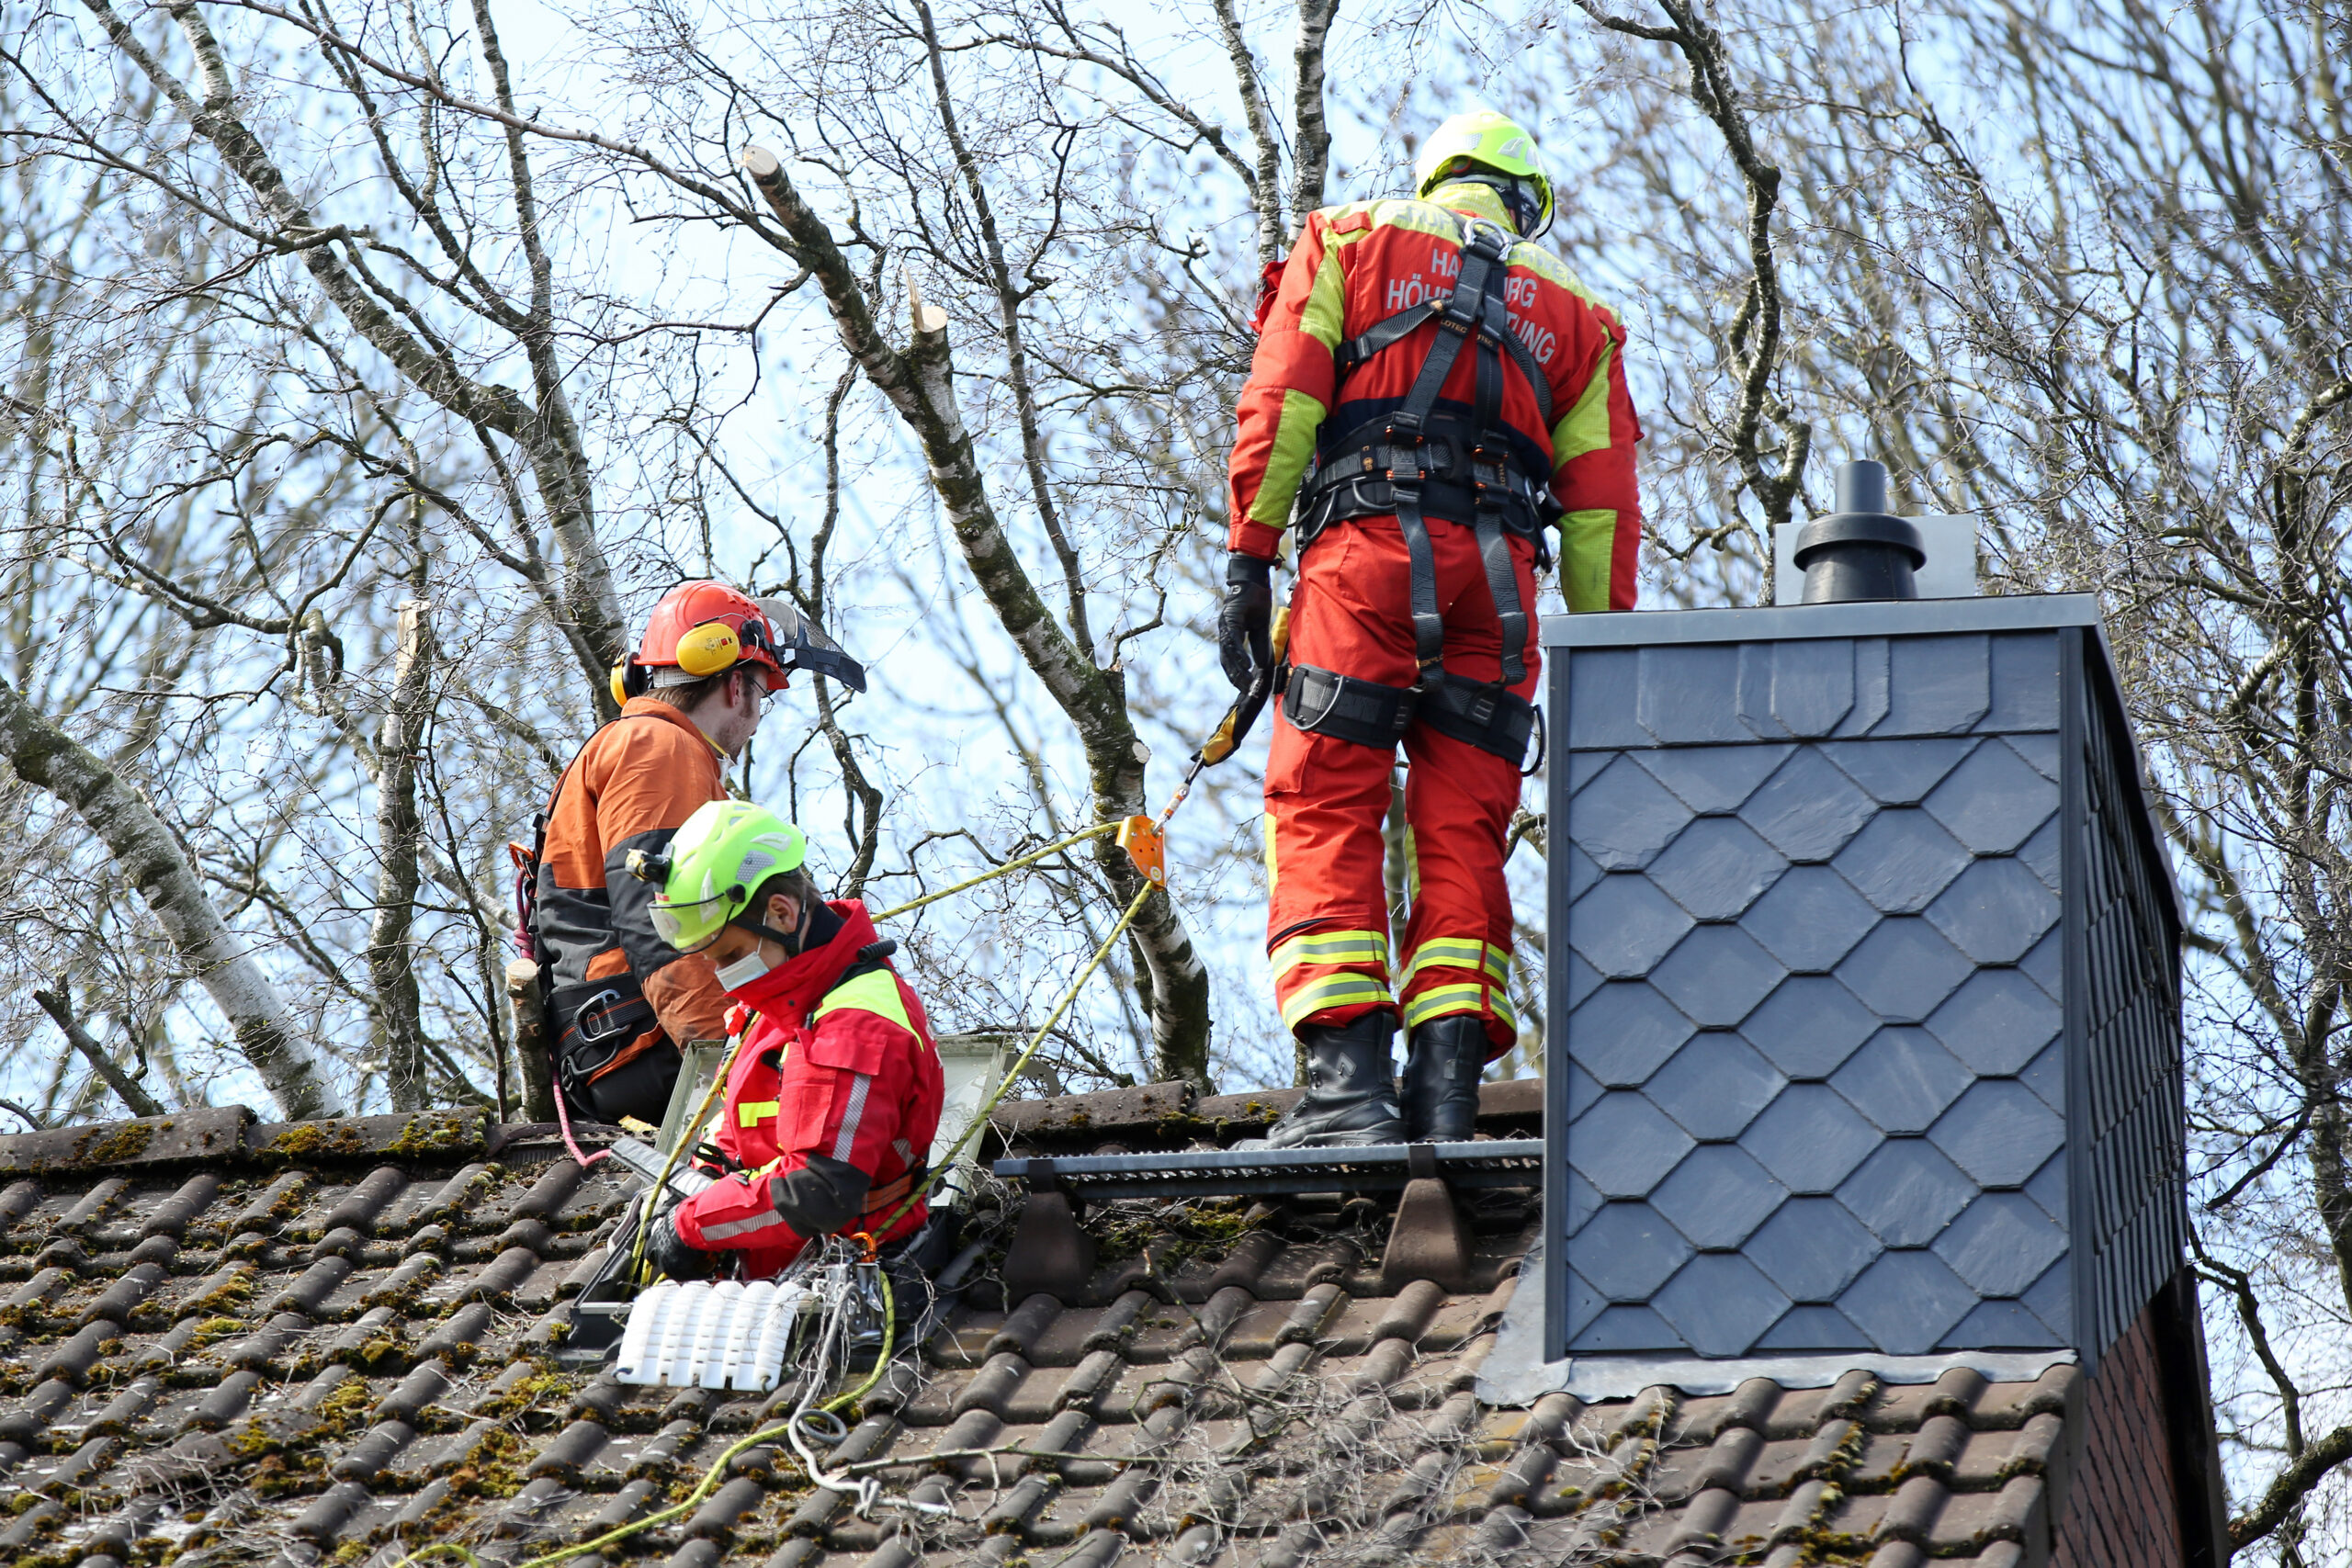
(1007, 869)
(563, 1116)
(788, 1429)
(941, 1166)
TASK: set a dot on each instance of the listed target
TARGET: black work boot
(1351, 1097)
(1442, 1068)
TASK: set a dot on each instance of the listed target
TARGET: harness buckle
(594, 1020)
(1408, 481)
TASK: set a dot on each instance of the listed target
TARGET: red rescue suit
(1322, 378)
(832, 1099)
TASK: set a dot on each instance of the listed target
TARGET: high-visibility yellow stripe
(751, 1112)
(1324, 316)
(1585, 427)
(1332, 947)
(1461, 952)
(1443, 1001)
(1335, 990)
(1426, 217)
(1293, 444)
(875, 991)
(1588, 549)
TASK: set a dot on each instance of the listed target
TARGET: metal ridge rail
(1200, 1173)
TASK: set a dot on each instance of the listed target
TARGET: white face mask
(743, 971)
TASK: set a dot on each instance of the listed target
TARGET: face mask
(743, 972)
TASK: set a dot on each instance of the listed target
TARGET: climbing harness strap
(1324, 702)
(1395, 329)
(1419, 457)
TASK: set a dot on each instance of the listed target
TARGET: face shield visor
(800, 644)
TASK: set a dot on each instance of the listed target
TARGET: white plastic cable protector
(727, 1335)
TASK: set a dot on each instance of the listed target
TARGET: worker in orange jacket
(619, 1001)
(1432, 392)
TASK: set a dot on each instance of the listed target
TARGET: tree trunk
(46, 756)
(530, 1039)
(391, 968)
(920, 384)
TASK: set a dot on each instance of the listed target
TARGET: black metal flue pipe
(1861, 550)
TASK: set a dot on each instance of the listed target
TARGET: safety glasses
(678, 924)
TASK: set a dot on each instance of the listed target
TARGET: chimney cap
(1861, 550)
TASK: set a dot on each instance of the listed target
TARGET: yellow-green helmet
(717, 860)
(1483, 141)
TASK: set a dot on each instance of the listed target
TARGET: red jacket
(1356, 265)
(832, 1100)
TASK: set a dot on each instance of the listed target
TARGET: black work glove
(1245, 621)
(669, 1255)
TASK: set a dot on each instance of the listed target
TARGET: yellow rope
(710, 1481)
(1013, 1073)
(1005, 870)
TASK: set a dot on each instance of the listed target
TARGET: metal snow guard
(1209, 1173)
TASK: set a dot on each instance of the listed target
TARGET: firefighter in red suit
(833, 1088)
(1432, 394)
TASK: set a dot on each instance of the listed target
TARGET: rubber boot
(1442, 1068)
(1350, 1098)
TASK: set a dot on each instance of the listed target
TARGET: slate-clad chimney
(1864, 1023)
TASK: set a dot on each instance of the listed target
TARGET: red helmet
(702, 629)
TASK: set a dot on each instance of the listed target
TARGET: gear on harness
(1412, 460)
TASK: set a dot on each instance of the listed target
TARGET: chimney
(1863, 1026)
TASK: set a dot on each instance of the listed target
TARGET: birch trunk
(391, 968)
(45, 756)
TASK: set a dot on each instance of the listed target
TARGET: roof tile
(392, 1303)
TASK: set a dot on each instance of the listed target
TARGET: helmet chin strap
(1518, 198)
(791, 942)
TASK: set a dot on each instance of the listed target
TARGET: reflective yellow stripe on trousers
(1461, 952)
(1332, 991)
(1333, 947)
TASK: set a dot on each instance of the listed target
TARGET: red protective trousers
(1327, 915)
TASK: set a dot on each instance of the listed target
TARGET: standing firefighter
(833, 1090)
(620, 1001)
(1432, 392)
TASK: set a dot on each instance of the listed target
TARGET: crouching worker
(833, 1088)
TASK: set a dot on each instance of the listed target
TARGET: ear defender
(709, 649)
(630, 679)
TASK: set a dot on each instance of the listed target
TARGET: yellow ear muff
(709, 649)
(620, 693)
